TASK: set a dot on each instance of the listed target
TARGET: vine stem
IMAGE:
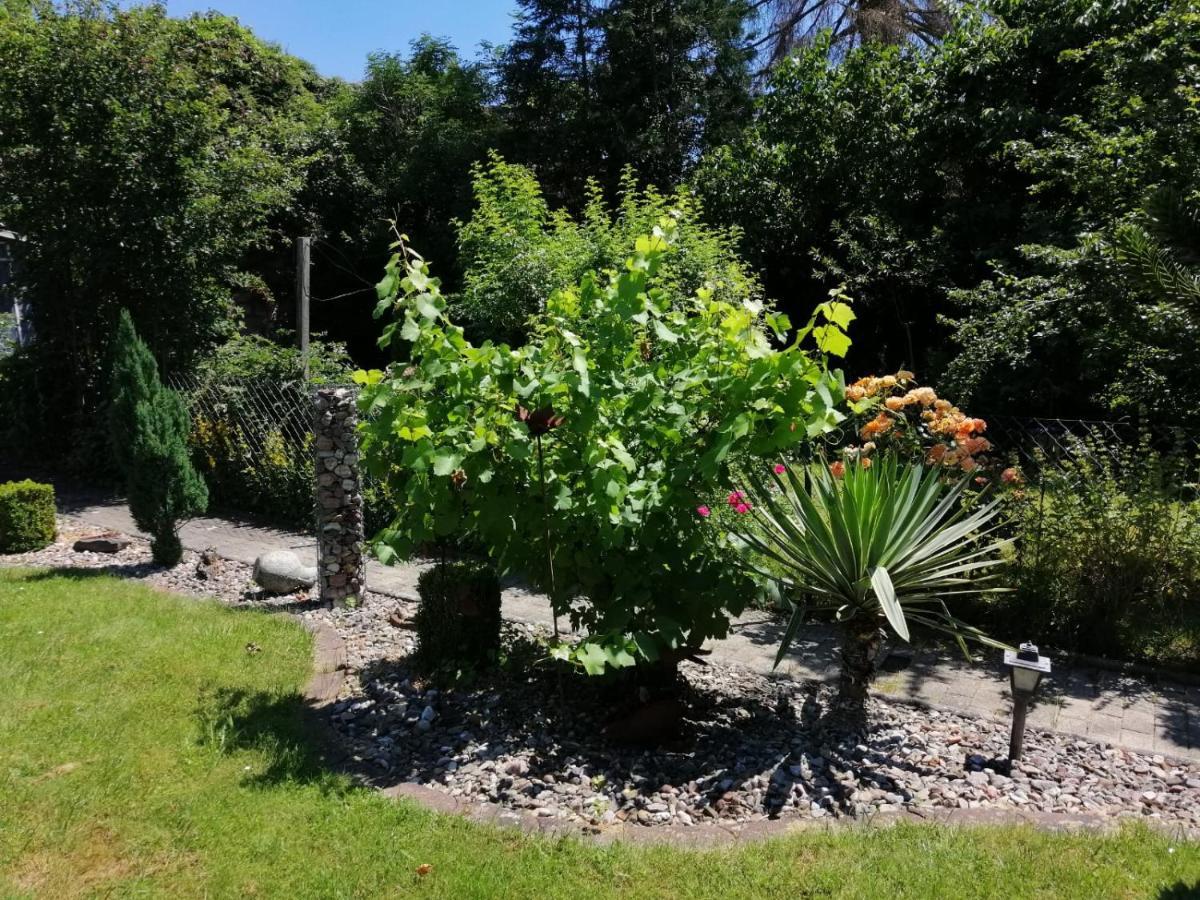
(546, 528)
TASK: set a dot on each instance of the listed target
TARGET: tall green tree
(547, 75)
(146, 161)
(1098, 109)
(149, 428)
(834, 182)
(592, 87)
(675, 80)
(414, 126)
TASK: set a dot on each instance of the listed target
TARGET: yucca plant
(887, 544)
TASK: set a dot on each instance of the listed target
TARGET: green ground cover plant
(152, 745)
(1106, 555)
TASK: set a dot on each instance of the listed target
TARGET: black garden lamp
(1025, 671)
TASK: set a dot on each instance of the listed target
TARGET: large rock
(282, 572)
(109, 542)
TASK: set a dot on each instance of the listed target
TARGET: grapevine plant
(641, 399)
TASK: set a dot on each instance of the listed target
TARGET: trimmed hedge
(26, 516)
(459, 615)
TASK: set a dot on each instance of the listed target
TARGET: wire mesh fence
(1041, 446)
(253, 440)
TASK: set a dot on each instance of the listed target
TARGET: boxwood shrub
(26, 516)
(459, 615)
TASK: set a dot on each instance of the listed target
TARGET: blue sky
(337, 35)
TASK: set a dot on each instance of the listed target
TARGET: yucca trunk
(861, 641)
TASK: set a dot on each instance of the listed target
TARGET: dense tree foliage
(831, 184)
(414, 126)
(591, 87)
(516, 250)
(144, 158)
(980, 185)
(1101, 108)
(1008, 206)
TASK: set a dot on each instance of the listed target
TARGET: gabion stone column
(341, 572)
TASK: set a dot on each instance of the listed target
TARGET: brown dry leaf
(424, 869)
(64, 769)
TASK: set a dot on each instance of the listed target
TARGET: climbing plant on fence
(252, 440)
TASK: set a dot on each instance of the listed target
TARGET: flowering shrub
(915, 422)
(582, 460)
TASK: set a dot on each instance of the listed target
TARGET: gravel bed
(532, 738)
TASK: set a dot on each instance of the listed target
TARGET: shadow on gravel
(526, 725)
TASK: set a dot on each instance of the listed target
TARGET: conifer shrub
(26, 516)
(149, 428)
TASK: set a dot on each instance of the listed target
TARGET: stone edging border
(329, 677)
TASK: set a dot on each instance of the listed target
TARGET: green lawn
(144, 751)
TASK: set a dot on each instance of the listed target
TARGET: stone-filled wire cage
(341, 568)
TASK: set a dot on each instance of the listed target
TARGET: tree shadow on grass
(291, 735)
(1180, 891)
(134, 571)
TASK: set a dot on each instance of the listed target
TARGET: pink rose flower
(703, 511)
(780, 468)
(743, 508)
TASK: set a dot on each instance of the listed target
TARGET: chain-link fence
(1040, 446)
(252, 439)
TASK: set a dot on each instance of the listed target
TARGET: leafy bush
(253, 357)
(1108, 555)
(149, 437)
(459, 615)
(879, 542)
(579, 459)
(26, 516)
(516, 251)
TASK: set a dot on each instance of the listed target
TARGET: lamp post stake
(1016, 742)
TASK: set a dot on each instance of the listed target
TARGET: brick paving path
(1159, 716)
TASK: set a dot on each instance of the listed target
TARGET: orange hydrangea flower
(881, 424)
